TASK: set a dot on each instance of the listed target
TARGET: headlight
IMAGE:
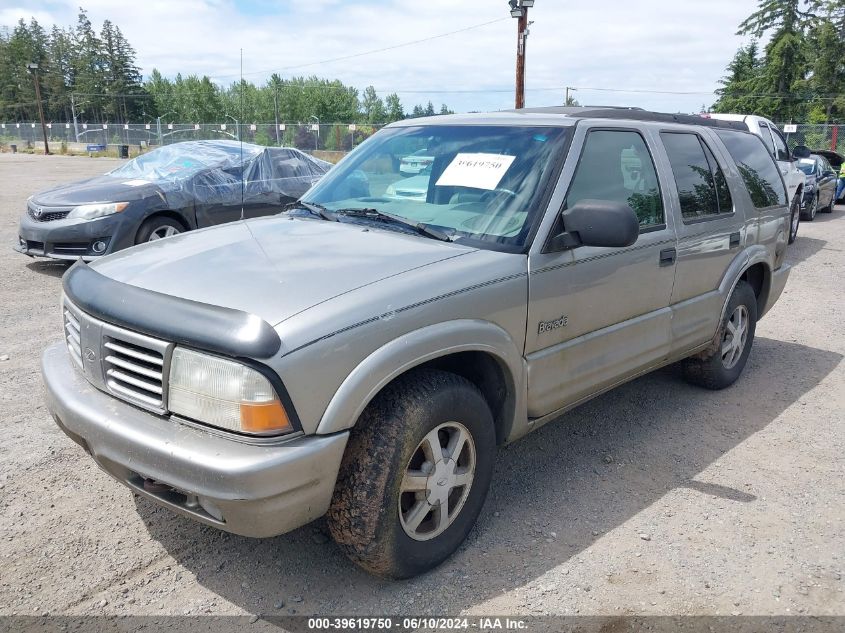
(91, 211)
(225, 394)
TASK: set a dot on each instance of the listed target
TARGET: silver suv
(362, 356)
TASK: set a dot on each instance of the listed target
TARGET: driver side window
(616, 166)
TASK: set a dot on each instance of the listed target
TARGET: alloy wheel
(437, 481)
(162, 232)
(735, 337)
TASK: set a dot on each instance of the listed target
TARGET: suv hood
(273, 267)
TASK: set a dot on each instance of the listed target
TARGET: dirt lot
(657, 498)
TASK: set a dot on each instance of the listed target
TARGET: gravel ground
(657, 498)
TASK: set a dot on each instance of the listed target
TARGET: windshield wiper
(374, 214)
(315, 209)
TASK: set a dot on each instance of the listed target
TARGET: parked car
(835, 159)
(415, 163)
(413, 188)
(776, 144)
(820, 186)
(169, 190)
(363, 357)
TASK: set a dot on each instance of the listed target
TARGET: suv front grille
(134, 372)
(72, 336)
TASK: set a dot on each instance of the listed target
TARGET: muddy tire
(415, 474)
(720, 366)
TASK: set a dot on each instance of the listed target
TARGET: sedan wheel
(162, 232)
(813, 208)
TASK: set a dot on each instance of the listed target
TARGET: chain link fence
(815, 137)
(108, 137)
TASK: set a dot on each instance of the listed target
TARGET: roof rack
(634, 114)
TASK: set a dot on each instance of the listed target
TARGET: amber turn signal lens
(265, 417)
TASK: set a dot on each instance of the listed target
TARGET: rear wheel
(158, 228)
(720, 366)
(415, 474)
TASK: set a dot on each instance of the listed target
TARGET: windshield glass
(807, 165)
(471, 182)
(184, 160)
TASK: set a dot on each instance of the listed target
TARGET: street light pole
(519, 10)
(33, 68)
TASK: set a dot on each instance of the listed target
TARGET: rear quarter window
(757, 168)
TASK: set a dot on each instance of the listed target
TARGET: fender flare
(752, 256)
(415, 348)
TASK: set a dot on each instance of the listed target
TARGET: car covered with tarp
(169, 190)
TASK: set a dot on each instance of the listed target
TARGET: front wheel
(415, 474)
(158, 228)
(721, 365)
(794, 218)
(812, 208)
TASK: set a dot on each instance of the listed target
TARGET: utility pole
(276, 112)
(33, 68)
(568, 88)
(519, 10)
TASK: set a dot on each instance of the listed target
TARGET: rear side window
(702, 188)
(758, 170)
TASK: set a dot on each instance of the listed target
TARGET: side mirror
(597, 223)
(801, 151)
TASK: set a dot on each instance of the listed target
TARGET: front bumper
(71, 239)
(249, 489)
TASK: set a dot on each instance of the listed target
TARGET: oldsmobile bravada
(363, 356)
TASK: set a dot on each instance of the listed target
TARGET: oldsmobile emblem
(90, 355)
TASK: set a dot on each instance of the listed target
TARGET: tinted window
(698, 191)
(766, 135)
(617, 166)
(723, 194)
(781, 151)
(756, 167)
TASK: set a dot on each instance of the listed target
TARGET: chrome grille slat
(128, 351)
(133, 395)
(137, 382)
(74, 342)
(133, 368)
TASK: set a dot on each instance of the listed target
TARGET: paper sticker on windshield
(478, 171)
(136, 183)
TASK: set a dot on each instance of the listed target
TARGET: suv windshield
(472, 183)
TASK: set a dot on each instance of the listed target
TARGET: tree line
(95, 77)
(799, 75)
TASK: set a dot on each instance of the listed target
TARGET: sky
(624, 48)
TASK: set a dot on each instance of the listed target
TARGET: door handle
(668, 256)
(735, 239)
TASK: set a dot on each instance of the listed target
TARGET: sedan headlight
(92, 211)
(225, 394)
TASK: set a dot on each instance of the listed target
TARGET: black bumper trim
(213, 328)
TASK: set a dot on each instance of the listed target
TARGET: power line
(370, 52)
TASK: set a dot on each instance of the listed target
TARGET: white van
(774, 140)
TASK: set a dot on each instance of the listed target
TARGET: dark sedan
(819, 187)
(167, 191)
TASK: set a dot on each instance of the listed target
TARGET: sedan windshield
(472, 183)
